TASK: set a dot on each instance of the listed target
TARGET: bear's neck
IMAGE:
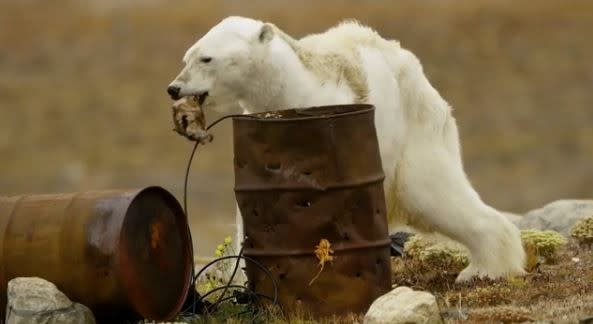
(284, 82)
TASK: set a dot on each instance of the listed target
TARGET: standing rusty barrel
(125, 254)
(303, 175)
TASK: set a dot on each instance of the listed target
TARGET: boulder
(34, 300)
(404, 305)
(558, 216)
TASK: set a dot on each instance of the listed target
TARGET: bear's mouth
(201, 98)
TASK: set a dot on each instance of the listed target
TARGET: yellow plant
(582, 231)
(323, 253)
(218, 275)
(543, 243)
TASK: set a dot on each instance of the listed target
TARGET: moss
(426, 252)
(582, 231)
(446, 255)
(544, 244)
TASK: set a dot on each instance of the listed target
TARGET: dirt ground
(559, 293)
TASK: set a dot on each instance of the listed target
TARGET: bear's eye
(205, 59)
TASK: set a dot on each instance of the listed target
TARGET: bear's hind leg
(434, 189)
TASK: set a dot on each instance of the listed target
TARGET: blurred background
(83, 101)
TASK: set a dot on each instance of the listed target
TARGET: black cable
(186, 179)
(230, 280)
(191, 240)
(246, 258)
(211, 307)
(221, 288)
(229, 116)
(194, 277)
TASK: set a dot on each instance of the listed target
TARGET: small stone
(404, 305)
(35, 300)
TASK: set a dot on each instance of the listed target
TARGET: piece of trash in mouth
(189, 120)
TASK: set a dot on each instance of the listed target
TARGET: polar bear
(253, 66)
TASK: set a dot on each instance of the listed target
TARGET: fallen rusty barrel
(303, 175)
(125, 254)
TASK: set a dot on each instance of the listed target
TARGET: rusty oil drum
(125, 254)
(303, 175)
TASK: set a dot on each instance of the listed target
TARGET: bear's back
(346, 36)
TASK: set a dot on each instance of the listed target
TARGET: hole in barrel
(303, 203)
(240, 164)
(306, 173)
(358, 274)
(273, 166)
(282, 275)
(346, 236)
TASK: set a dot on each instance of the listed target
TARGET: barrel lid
(154, 254)
(315, 112)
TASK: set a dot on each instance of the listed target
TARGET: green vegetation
(582, 231)
(544, 244)
(449, 256)
(444, 255)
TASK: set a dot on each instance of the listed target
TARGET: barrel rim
(358, 108)
(189, 263)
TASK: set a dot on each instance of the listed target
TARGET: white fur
(256, 68)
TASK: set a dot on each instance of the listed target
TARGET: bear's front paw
(467, 275)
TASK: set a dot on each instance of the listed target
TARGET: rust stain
(155, 234)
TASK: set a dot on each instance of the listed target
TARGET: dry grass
(83, 101)
(562, 291)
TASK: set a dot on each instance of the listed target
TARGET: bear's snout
(173, 91)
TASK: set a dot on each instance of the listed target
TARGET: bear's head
(220, 64)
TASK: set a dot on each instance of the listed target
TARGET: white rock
(35, 300)
(404, 305)
(559, 216)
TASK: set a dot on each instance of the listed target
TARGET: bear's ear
(266, 33)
